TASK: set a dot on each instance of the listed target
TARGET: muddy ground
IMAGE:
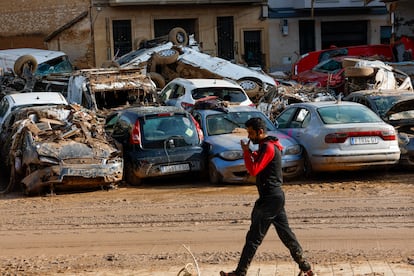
(154, 229)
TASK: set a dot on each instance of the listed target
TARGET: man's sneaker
(233, 273)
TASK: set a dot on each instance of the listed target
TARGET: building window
(121, 30)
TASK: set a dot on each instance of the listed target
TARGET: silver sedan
(340, 136)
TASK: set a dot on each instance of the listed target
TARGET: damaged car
(57, 148)
(169, 60)
(104, 89)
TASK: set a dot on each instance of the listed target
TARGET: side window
(300, 118)
(167, 91)
(179, 92)
(121, 128)
(284, 119)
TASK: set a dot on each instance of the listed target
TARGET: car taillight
(252, 105)
(333, 138)
(388, 135)
(340, 137)
(199, 130)
(186, 106)
(135, 137)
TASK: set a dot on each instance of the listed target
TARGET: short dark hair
(256, 124)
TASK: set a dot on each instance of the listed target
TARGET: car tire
(213, 174)
(166, 56)
(359, 71)
(22, 61)
(110, 64)
(307, 166)
(178, 36)
(129, 175)
(158, 79)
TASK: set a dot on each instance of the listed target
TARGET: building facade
(270, 34)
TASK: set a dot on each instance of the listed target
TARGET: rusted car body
(107, 88)
(58, 147)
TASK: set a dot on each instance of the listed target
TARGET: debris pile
(59, 146)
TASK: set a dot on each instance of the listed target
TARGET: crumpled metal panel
(61, 145)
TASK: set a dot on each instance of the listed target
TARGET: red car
(328, 73)
(309, 60)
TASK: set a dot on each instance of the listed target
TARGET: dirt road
(154, 229)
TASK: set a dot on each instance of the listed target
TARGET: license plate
(364, 140)
(175, 168)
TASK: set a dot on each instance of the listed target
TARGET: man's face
(253, 135)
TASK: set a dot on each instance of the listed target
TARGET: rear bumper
(354, 162)
(66, 174)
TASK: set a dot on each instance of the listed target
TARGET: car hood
(69, 149)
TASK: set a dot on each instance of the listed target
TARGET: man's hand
(245, 145)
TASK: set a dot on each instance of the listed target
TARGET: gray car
(223, 129)
(395, 107)
(340, 136)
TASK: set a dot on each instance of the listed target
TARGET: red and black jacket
(266, 165)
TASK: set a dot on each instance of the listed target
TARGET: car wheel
(129, 175)
(214, 176)
(178, 36)
(307, 166)
(158, 79)
(251, 87)
(22, 61)
(359, 71)
(166, 56)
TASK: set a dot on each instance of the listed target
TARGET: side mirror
(276, 124)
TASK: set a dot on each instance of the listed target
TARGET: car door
(294, 122)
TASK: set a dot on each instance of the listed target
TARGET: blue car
(224, 128)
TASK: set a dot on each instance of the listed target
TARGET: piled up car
(167, 60)
(57, 147)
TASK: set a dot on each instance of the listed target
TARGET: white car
(184, 93)
(43, 62)
(11, 102)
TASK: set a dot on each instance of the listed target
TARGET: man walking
(269, 208)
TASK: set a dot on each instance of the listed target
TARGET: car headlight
(48, 160)
(231, 155)
(292, 150)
